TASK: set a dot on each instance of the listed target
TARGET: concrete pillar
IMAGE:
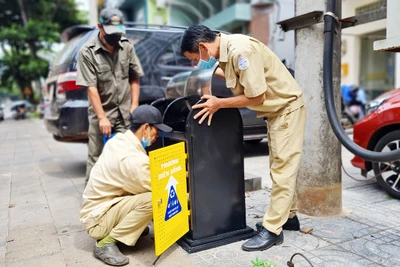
(319, 180)
(93, 12)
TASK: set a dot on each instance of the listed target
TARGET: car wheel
(389, 180)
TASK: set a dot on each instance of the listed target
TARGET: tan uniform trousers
(285, 141)
(126, 220)
(96, 142)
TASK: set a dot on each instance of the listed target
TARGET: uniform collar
(98, 44)
(223, 48)
(132, 138)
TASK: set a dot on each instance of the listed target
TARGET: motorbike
(18, 111)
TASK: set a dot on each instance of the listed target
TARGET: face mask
(112, 39)
(205, 65)
(146, 142)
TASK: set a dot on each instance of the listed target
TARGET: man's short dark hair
(194, 35)
(135, 126)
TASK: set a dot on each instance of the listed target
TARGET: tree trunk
(32, 48)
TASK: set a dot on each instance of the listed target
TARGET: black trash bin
(216, 173)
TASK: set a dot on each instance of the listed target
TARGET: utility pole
(319, 182)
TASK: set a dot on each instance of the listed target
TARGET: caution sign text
(169, 195)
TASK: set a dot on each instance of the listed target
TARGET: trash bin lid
(199, 82)
(177, 111)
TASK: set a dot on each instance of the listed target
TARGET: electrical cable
(368, 179)
(329, 31)
(291, 264)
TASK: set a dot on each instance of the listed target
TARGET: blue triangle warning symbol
(173, 206)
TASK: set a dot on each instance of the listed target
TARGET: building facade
(375, 71)
(253, 17)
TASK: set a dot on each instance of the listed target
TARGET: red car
(380, 131)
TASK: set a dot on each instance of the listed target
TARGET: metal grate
(164, 163)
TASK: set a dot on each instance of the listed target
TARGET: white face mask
(146, 142)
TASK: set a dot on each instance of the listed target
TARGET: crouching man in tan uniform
(260, 82)
(117, 199)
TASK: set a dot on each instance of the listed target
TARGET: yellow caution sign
(169, 195)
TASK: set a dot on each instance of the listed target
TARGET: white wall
(351, 44)
(397, 71)
(283, 43)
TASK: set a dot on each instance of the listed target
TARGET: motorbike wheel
(390, 179)
(346, 121)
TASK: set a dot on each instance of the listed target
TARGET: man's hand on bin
(105, 126)
(209, 107)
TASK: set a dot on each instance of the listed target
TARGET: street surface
(42, 182)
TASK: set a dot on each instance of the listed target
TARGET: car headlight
(376, 103)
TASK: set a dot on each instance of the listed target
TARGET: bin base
(192, 246)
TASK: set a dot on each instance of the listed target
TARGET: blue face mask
(205, 65)
(146, 142)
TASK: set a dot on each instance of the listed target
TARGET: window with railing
(371, 7)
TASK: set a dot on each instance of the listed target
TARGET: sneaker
(110, 255)
(292, 224)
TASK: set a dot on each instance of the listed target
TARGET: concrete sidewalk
(40, 195)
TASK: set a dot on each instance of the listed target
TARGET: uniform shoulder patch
(243, 63)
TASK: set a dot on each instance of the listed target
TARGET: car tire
(390, 179)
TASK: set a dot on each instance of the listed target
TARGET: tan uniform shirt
(111, 74)
(252, 69)
(122, 169)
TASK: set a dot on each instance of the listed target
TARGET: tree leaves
(21, 43)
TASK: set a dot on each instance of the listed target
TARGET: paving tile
(32, 215)
(334, 257)
(67, 220)
(2, 256)
(29, 242)
(52, 259)
(382, 247)
(338, 230)
(77, 248)
(50, 168)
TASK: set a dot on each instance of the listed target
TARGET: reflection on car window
(67, 52)
(172, 56)
(136, 36)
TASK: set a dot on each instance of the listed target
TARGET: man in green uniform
(260, 82)
(109, 68)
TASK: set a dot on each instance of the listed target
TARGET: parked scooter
(18, 111)
(349, 117)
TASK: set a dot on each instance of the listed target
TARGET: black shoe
(263, 240)
(146, 231)
(292, 224)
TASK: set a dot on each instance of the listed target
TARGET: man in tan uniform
(260, 82)
(117, 199)
(109, 68)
